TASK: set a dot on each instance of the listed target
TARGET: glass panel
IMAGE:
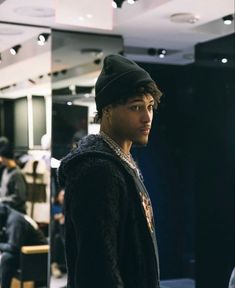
(25, 121)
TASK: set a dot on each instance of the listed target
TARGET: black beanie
(6, 148)
(119, 76)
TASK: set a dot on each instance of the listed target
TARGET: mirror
(25, 120)
(76, 63)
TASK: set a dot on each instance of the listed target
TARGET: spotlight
(224, 60)
(42, 38)
(15, 49)
(131, 2)
(228, 19)
(161, 53)
(114, 4)
(117, 3)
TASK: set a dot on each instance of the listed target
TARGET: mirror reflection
(25, 129)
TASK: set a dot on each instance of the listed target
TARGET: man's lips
(145, 130)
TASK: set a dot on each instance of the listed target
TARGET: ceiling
(143, 25)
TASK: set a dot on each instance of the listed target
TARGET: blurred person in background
(13, 188)
(16, 230)
(57, 235)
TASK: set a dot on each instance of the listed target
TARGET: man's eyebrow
(139, 100)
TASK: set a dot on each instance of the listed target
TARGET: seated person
(13, 186)
(57, 236)
(16, 230)
(3, 140)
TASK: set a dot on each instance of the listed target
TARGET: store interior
(47, 104)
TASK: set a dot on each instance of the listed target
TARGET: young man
(109, 229)
(12, 186)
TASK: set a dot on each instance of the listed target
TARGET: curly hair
(149, 88)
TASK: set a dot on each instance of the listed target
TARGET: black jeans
(8, 266)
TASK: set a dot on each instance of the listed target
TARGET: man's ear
(107, 110)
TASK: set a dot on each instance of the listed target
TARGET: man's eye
(135, 108)
(151, 107)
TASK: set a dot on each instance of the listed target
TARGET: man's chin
(141, 142)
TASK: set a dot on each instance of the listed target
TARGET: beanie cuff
(123, 85)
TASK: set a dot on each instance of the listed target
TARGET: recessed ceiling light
(184, 18)
(69, 103)
(89, 16)
(32, 11)
(80, 18)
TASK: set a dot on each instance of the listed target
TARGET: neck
(125, 145)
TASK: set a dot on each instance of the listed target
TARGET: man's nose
(147, 116)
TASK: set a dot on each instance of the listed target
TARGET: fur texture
(108, 242)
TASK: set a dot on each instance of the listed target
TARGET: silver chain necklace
(118, 150)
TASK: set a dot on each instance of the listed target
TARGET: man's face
(132, 121)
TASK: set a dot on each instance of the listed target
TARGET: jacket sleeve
(16, 194)
(94, 204)
(14, 237)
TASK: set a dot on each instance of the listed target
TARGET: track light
(228, 19)
(42, 38)
(15, 49)
(161, 53)
(118, 3)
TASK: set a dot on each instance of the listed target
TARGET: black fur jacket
(109, 240)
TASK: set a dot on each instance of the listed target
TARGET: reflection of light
(55, 163)
(89, 16)
(224, 60)
(87, 95)
(69, 103)
(131, 1)
(80, 18)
